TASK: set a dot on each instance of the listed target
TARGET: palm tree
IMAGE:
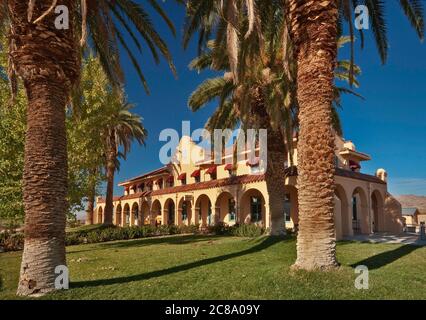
(313, 28)
(48, 62)
(123, 128)
(257, 103)
(245, 95)
(310, 36)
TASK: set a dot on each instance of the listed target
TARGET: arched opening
(100, 215)
(169, 216)
(144, 214)
(359, 212)
(134, 221)
(118, 215)
(252, 206)
(185, 212)
(377, 211)
(203, 211)
(342, 218)
(291, 208)
(126, 217)
(156, 213)
(226, 208)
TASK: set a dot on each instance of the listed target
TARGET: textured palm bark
(314, 32)
(110, 171)
(275, 171)
(48, 62)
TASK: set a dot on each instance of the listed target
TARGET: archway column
(196, 212)
(165, 216)
(349, 231)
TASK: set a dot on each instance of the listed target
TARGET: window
(354, 209)
(184, 211)
(336, 161)
(183, 181)
(256, 209)
(231, 209)
(287, 207)
(213, 176)
(197, 179)
(169, 182)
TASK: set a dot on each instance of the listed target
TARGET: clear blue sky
(390, 124)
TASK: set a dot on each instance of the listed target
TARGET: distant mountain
(410, 200)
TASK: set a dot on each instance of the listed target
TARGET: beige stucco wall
(394, 219)
(382, 214)
(421, 218)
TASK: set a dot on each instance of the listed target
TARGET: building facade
(202, 193)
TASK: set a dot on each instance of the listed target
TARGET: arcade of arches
(360, 207)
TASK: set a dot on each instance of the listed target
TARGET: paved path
(405, 238)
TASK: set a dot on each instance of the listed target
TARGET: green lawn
(208, 267)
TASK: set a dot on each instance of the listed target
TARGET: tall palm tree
(257, 102)
(244, 93)
(47, 60)
(123, 128)
(313, 28)
(310, 34)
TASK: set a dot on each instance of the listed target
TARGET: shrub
(192, 229)
(219, 228)
(15, 241)
(12, 241)
(247, 230)
(164, 230)
(73, 238)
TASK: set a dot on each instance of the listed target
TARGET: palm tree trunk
(48, 62)
(110, 171)
(275, 181)
(45, 188)
(314, 32)
(275, 171)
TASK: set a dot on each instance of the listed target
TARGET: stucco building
(200, 192)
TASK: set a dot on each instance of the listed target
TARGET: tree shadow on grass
(178, 239)
(385, 258)
(259, 245)
(143, 242)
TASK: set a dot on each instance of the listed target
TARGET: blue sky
(390, 124)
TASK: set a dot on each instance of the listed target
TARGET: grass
(211, 267)
(87, 228)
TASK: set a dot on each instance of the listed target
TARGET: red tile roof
(244, 179)
(292, 171)
(149, 174)
(211, 184)
(357, 175)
